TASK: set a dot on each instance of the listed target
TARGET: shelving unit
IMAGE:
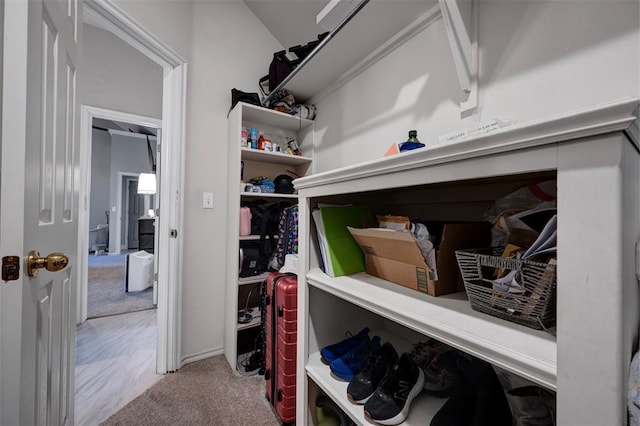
(241, 292)
(344, 53)
(380, 21)
(593, 155)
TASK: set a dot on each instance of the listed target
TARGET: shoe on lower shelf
(332, 352)
(390, 403)
(438, 381)
(350, 364)
(375, 366)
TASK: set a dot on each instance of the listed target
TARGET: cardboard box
(395, 256)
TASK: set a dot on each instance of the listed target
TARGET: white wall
(100, 177)
(537, 58)
(231, 49)
(169, 20)
(226, 47)
(116, 76)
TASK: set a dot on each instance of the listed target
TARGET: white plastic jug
(245, 221)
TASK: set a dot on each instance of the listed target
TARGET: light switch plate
(207, 200)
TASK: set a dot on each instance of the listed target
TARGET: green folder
(344, 253)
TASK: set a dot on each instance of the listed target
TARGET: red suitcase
(280, 343)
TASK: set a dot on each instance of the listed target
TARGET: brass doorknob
(54, 262)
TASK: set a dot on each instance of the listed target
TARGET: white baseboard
(201, 355)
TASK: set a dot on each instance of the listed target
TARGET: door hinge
(155, 276)
(173, 233)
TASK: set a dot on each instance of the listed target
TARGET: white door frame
(171, 183)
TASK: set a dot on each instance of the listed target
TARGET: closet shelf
(423, 407)
(370, 34)
(254, 323)
(252, 237)
(521, 350)
(260, 115)
(273, 157)
(268, 195)
(253, 280)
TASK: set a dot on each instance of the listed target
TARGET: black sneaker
(364, 384)
(389, 404)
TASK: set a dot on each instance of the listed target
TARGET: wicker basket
(535, 307)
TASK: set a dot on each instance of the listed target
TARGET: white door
(39, 209)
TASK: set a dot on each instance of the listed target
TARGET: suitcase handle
(279, 395)
(268, 300)
(280, 311)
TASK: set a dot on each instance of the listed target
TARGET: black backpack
(265, 218)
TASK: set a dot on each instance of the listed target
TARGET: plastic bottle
(253, 137)
(244, 137)
(411, 143)
(261, 141)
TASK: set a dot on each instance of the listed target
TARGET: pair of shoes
(350, 364)
(438, 381)
(332, 352)
(477, 399)
(375, 366)
(390, 403)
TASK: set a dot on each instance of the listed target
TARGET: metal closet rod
(311, 54)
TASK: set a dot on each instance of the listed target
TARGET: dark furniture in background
(146, 231)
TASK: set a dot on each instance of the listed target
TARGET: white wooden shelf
(593, 150)
(260, 115)
(527, 352)
(252, 237)
(370, 34)
(253, 280)
(267, 195)
(254, 323)
(256, 163)
(423, 407)
(274, 157)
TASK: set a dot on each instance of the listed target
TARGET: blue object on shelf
(408, 146)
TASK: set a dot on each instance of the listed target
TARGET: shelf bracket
(461, 22)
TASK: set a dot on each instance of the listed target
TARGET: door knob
(54, 262)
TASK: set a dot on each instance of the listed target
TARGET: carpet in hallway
(106, 295)
(205, 392)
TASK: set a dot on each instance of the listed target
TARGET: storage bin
(535, 307)
(139, 271)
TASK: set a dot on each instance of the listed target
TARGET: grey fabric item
(532, 406)
(106, 295)
(633, 403)
(205, 392)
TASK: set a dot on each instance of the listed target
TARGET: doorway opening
(121, 296)
(122, 219)
(170, 157)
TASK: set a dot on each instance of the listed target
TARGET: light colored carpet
(106, 295)
(205, 392)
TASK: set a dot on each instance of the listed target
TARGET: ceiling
(292, 22)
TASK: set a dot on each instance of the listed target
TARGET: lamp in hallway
(147, 183)
(147, 186)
